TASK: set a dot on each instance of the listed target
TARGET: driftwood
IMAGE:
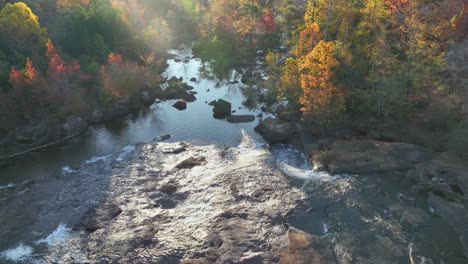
(19, 154)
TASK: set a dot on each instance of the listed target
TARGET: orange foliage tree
(320, 99)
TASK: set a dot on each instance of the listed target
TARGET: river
(43, 196)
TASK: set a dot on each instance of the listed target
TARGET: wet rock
(191, 162)
(74, 125)
(276, 131)
(98, 217)
(169, 188)
(212, 103)
(30, 133)
(193, 92)
(253, 259)
(414, 217)
(164, 137)
(221, 109)
(240, 118)
(177, 60)
(370, 157)
(304, 248)
(180, 104)
(193, 79)
(176, 149)
(189, 97)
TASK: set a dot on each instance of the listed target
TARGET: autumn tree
(321, 98)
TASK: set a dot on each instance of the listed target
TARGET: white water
(10, 185)
(60, 234)
(125, 152)
(17, 254)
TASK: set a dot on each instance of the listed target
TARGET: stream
(239, 202)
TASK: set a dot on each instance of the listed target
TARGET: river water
(360, 216)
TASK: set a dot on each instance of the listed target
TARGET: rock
(180, 104)
(287, 114)
(74, 125)
(252, 259)
(193, 92)
(177, 60)
(414, 217)
(164, 137)
(240, 118)
(97, 217)
(96, 116)
(383, 250)
(30, 133)
(212, 103)
(188, 87)
(260, 115)
(276, 131)
(189, 97)
(193, 79)
(173, 79)
(146, 97)
(221, 109)
(233, 111)
(374, 157)
(290, 116)
(181, 78)
(166, 203)
(168, 188)
(191, 162)
(304, 248)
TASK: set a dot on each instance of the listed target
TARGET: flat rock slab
(240, 118)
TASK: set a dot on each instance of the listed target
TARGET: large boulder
(373, 157)
(31, 132)
(74, 125)
(240, 118)
(276, 131)
(222, 109)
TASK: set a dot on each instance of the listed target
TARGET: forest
(392, 60)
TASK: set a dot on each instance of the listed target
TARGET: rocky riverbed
(180, 203)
